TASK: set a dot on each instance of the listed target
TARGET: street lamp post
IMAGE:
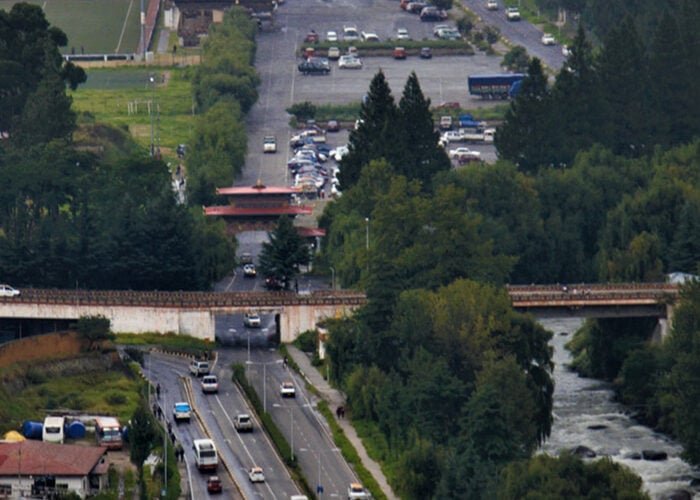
(278, 361)
(319, 486)
(367, 241)
(291, 428)
(152, 109)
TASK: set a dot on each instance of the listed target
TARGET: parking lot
(443, 79)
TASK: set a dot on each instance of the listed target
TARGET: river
(580, 403)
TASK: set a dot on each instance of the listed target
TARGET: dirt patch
(48, 346)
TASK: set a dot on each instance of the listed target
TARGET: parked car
(256, 475)
(399, 53)
(269, 144)
(548, 39)
(350, 34)
(333, 53)
(251, 320)
(249, 271)
(332, 36)
(432, 13)
(287, 390)
(368, 36)
(449, 34)
(350, 62)
(426, 53)
(457, 152)
(210, 384)
(314, 67)
(438, 27)
(402, 34)
(311, 37)
(214, 484)
(446, 122)
(472, 156)
(415, 7)
(332, 126)
(492, 5)
(513, 14)
(8, 291)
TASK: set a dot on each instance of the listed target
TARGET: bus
(501, 86)
(52, 431)
(205, 456)
(108, 432)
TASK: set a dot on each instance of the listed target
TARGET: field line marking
(121, 36)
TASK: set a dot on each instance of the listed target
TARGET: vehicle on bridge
(8, 291)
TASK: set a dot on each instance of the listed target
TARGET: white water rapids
(580, 403)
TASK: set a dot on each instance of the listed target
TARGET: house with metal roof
(36, 468)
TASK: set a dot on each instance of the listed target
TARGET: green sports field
(94, 26)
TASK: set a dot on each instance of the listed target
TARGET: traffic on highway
(249, 464)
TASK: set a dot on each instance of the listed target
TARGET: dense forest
(597, 181)
(97, 210)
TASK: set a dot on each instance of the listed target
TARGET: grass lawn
(122, 96)
(105, 393)
(96, 26)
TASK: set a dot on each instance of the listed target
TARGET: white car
(565, 51)
(350, 62)
(332, 36)
(287, 390)
(456, 153)
(548, 39)
(357, 491)
(255, 474)
(8, 291)
(210, 384)
(368, 36)
(402, 34)
(269, 144)
(249, 271)
(452, 136)
(350, 34)
(492, 5)
(439, 27)
(251, 320)
(338, 153)
(513, 14)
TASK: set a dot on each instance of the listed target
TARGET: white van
(205, 456)
(53, 429)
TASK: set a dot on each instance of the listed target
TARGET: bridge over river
(193, 313)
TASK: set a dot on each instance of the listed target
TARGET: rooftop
(38, 458)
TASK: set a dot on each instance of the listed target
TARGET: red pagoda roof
(258, 211)
(255, 190)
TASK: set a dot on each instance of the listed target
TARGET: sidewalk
(336, 398)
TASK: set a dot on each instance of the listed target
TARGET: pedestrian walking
(158, 391)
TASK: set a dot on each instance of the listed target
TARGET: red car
(214, 484)
(273, 283)
(311, 37)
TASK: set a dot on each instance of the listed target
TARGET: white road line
(121, 36)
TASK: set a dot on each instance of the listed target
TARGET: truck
(182, 411)
(495, 86)
(468, 123)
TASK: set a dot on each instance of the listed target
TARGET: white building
(34, 467)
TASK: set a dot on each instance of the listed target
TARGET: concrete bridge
(194, 313)
(187, 313)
